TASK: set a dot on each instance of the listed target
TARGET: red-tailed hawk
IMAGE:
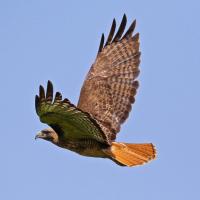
(105, 101)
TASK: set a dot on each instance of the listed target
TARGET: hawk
(106, 98)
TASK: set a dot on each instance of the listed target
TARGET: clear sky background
(58, 40)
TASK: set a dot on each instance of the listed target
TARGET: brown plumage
(105, 102)
(110, 85)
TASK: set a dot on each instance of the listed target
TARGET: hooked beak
(39, 135)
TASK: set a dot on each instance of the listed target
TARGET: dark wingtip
(49, 93)
(58, 96)
(121, 29)
(49, 83)
(41, 92)
(124, 17)
(101, 43)
(130, 30)
(112, 31)
(119, 33)
(37, 100)
(66, 101)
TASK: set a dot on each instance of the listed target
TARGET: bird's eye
(45, 131)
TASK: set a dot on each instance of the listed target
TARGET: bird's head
(48, 134)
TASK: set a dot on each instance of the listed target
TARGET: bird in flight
(106, 98)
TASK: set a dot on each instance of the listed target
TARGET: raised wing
(65, 118)
(110, 86)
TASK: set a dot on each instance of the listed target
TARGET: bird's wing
(65, 118)
(110, 86)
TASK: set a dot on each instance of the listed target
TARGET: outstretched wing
(110, 86)
(65, 118)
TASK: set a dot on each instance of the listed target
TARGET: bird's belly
(92, 153)
(89, 148)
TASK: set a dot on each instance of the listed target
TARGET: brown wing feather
(110, 86)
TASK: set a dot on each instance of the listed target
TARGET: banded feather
(110, 86)
(63, 115)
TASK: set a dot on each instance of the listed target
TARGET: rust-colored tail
(131, 154)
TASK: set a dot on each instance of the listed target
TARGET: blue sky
(58, 40)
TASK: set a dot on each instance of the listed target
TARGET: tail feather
(131, 154)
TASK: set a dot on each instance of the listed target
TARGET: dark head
(48, 134)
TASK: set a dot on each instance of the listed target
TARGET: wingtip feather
(121, 29)
(41, 92)
(130, 30)
(111, 33)
(37, 100)
(49, 92)
(101, 43)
